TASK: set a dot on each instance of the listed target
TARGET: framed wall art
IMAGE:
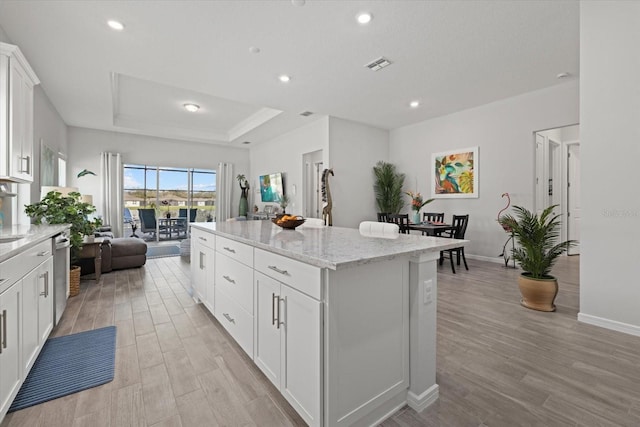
(455, 174)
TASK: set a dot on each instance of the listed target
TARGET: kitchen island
(343, 324)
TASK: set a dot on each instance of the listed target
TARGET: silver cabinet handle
(233, 251)
(277, 270)
(279, 322)
(273, 309)
(229, 318)
(4, 330)
(43, 253)
(28, 167)
(201, 260)
(202, 238)
(229, 279)
(45, 276)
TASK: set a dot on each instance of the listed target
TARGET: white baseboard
(424, 400)
(497, 260)
(609, 324)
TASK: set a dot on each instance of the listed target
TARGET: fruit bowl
(288, 222)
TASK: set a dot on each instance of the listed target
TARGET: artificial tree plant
(388, 187)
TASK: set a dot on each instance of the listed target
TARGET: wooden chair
(402, 220)
(383, 217)
(459, 223)
(432, 216)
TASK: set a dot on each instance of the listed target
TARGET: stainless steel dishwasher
(60, 275)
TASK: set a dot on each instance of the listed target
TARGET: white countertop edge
(442, 244)
(33, 234)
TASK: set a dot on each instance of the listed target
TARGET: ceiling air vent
(306, 113)
(378, 64)
(246, 142)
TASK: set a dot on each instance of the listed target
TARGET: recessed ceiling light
(115, 25)
(254, 49)
(192, 108)
(284, 78)
(563, 75)
(364, 18)
(414, 104)
(298, 2)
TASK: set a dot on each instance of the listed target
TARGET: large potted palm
(387, 187)
(55, 208)
(536, 253)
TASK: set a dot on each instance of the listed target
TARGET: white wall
(284, 154)
(85, 146)
(610, 135)
(354, 149)
(504, 131)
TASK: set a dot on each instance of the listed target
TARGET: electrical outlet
(427, 292)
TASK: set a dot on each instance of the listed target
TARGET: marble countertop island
(327, 247)
(25, 237)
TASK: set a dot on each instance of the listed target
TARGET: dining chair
(402, 220)
(431, 217)
(148, 222)
(129, 219)
(459, 224)
(383, 217)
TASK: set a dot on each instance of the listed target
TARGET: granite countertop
(326, 247)
(30, 235)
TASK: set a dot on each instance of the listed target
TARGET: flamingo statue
(508, 230)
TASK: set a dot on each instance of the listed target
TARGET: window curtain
(224, 181)
(111, 191)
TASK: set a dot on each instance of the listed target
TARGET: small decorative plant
(284, 202)
(417, 201)
(55, 208)
(537, 249)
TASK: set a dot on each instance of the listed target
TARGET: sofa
(118, 254)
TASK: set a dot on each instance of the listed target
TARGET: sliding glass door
(161, 201)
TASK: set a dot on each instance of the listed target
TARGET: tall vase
(244, 206)
(416, 217)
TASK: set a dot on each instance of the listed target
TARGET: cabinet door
(301, 353)
(45, 303)
(31, 287)
(267, 344)
(198, 264)
(20, 125)
(10, 372)
(209, 280)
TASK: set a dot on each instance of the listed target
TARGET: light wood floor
(499, 364)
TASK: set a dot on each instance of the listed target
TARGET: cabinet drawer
(298, 275)
(235, 320)
(203, 237)
(16, 267)
(235, 250)
(236, 280)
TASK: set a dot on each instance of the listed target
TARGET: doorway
(312, 166)
(557, 178)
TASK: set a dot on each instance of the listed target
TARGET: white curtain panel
(224, 181)
(111, 191)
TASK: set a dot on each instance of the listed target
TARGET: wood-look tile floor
(498, 364)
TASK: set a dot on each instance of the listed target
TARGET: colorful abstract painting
(455, 173)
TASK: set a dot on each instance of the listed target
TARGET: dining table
(171, 226)
(431, 228)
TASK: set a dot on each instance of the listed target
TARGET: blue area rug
(69, 364)
(162, 251)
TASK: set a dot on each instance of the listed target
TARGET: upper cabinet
(17, 80)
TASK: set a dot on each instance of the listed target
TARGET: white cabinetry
(202, 267)
(10, 372)
(234, 290)
(288, 343)
(26, 315)
(17, 80)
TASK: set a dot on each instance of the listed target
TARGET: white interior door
(573, 192)
(540, 178)
(312, 166)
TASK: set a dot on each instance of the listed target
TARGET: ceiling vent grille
(306, 113)
(378, 64)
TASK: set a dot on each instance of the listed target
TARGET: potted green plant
(387, 187)
(284, 202)
(55, 208)
(536, 253)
